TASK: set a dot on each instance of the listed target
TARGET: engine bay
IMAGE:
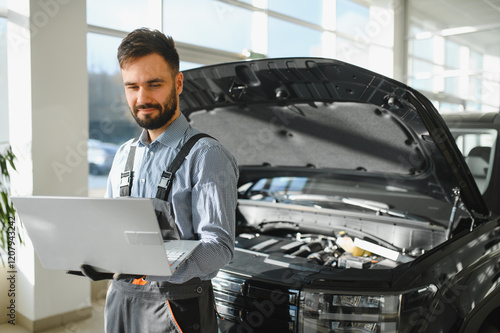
(323, 238)
(339, 251)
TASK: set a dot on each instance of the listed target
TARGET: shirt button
(143, 180)
(151, 153)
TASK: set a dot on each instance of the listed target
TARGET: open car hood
(329, 117)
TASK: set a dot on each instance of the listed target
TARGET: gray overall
(137, 306)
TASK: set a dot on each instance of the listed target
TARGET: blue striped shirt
(203, 193)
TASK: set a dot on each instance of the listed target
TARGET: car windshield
(327, 192)
(477, 146)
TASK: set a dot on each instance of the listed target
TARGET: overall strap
(167, 176)
(127, 175)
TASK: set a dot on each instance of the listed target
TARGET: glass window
(477, 148)
(471, 106)
(279, 184)
(353, 53)
(124, 15)
(450, 107)
(110, 122)
(260, 185)
(461, 65)
(101, 54)
(225, 27)
(476, 61)
(267, 188)
(421, 75)
(297, 184)
(475, 88)
(452, 54)
(421, 48)
(185, 65)
(306, 10)
(291, 40)
(475, 82)
(351, 17)
(109, 117)
(451, 85)
(4, 107)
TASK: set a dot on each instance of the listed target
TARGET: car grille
(247, 305)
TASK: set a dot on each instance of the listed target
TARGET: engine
(341, 251)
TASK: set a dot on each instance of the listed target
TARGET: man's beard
(165, 113)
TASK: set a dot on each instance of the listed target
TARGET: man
(200, 205)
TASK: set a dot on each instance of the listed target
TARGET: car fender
(465, 301)
(482, 313)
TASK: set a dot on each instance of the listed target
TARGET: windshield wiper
(379, 208)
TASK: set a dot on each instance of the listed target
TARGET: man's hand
(91, 273)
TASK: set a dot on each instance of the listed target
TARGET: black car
(357, 211)
(476, 135)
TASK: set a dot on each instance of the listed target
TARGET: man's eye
(156, 85)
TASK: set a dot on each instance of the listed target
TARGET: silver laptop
(113, 235)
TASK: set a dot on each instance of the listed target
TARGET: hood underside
(330, 117)
(335, 135)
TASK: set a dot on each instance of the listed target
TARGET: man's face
(152, 91)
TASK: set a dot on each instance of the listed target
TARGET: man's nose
(143, 96)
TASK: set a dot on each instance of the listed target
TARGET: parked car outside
(357, 211)
(100, 156)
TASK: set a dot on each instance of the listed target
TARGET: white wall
(4, 127)
(4, 119)
(48, 119)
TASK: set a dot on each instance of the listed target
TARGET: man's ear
(179, 82)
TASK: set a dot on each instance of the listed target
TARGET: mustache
(147, 106)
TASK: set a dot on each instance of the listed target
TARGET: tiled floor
(94, 324)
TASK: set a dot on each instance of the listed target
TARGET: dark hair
(142, 42)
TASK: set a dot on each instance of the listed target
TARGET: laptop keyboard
(174, 255)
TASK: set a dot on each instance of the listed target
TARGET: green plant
(7, 211)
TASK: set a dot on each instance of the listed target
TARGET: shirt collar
(172, 136)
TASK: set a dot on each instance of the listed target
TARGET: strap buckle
(126, 178)
(126, 183)
(164, 185)
(166, 179)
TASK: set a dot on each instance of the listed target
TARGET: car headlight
(97, 156)
(322, 310)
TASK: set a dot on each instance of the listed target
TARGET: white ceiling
(481, 15)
